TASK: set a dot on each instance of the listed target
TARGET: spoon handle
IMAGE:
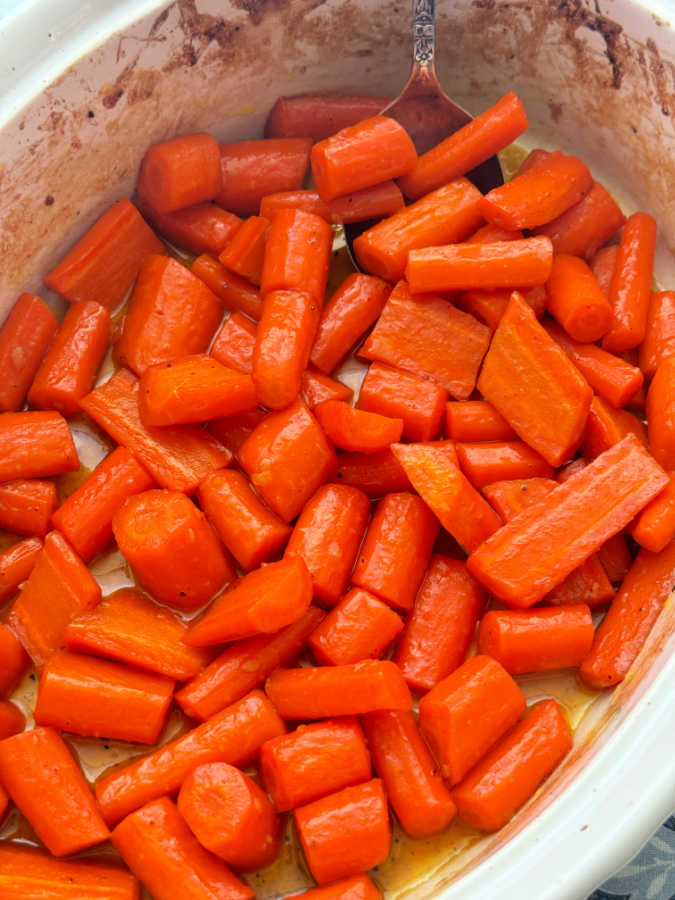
(423, 33)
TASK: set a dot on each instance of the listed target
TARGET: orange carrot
(103, 264)
(24, 337)
(202, 228)
(359, 627)
(476, 420)
(297, 254)
(4, 804)
(233, 345)
(40, 775)
(587, 225)
(237, 294)
(315, 388)
(376, 202)
(655, 526)
(606, 426)
(35, 445)
(576, 299)
(419, 403)
(488, 306)
(355, 429)
(376, 474)
(659, 339)
(26, 507)
(512, 496)
(244, 254)
(514, 768)
(661, 413)
(180, 172)
(233, 431)
(603, 263)
(500, 461)
(318, 116)
(12, 721)
(615, 558)
(14, 661)
(489, 233)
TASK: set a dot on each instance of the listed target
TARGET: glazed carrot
(4, 804)
(513, 769)
(59, 574)
(360, 887)
(177, 458)
(24, 337)
(233, 345)
(447, 215)
(314, 761)
(512, 496)
(538, 195)
(500, 461)
(245, 252)
(233, 735)
(14, 661)
(606, 426)
(489, 233)
(35, 445)
(262, 602)
(576, 299)
(249, 530)
(488, 306)
(351, 689)
(450, 495)
(244, 666)
(26, 507)
(419, 403)
(237, 294)
(233, 431)
(180, 172)
(476, 420)
(128, 627)
(374, 202)
(615, 558)
(97, 698)
(614, 379)
(587, 225)
(396, 549)
(659, 339)
(12, 720)
(27, 873)
(252, 169)
(655, 526)
(40, 775)
(362, 155)
(414, 333)
(172, 548)
(315, 388)
(297, 254)
(631, 284)
(287, 457)
(167, 858)
(345, 833)
(283, 343)
(356, 430)
(527, 376)
(603, 263)
(85, 517)
(519, 566)
(376, 474)
(103, 264)
(202, 228)
(359, 627)
(172, 313)
(318, 116)
(230, 815)
(661, 413)
(465, 713)
(421, 801)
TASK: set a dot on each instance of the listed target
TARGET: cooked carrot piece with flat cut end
(202, 228)
(358, 888)
(297, 254)
(659, 339)
(42, 778)
(360, 627)
(576, 299)
(345, 833)
(376, 474)
(661, 413)
(655, 526)
(172, 548)
(417, 401)
(513, 495)
(414, 333)
(315, 388)
(314, 761)
(25, 336)
(16, 564)
(520, 566)
(180, 172)
(319, 116)
(606, 426)
(237, 294)
(615, 557)
(476, 420)
(500, 461)
(103, 264)
(513, 769)
(26, 507)
(14, 661)
(244, 254)
(587, 225)
(489, 306)
(463, 715)
(374, 202)
(489, 233)
(355, 429)
(234, 344)
(35, 445)
(159, 848)
(12, 720)
(233, 431)
(603, 263)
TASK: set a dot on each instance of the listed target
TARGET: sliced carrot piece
(234, 344)
(355, 429)
(359, 627)
(488, 306)
(35, 445)
(14, 661)
(237, 294)
(615, 558)
(26, 507)
(576, 299)
(253, 169)
(202, 228)
(297, 254)
(659, 339)
(12, 721)
(244, 254)
(476, 420)
(655, 527)
(500, 461)
(661, 413)
(16, 564)
(180, 172)
(318, 116)
(233, 431)
(376, 474)
(24, 337)
(315, 388)
(419, 403)
(607, 426)
(587, 225)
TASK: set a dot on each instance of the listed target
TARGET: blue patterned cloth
(650, 876)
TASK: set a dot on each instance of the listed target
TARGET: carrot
(14, 661)
(615, 558)
(287, 457)
(237, 294)
(476, 420)
(35, 445)
(252, 169)
(614, 379)
(374, 202)
(519, 566)
(603, 263)
(488, 306)
(351, 689)
(249, 530)
(586, 225)
(414, 333)
(465, 713)
(244, 666)
(177, 457)
(345, 833)
(450, 495)
(244, 254)
(172, 313)
(445, 216)
(315, 388)
(128, 627)
(318, 116)
(202, 228)
(234, 430)
(576, 299)
(606, 426)
(283, 343)
(655, 526)
(27, 873)
(360, 887)
(659, 341)
(327, 536)
(297, 254)
(359, 627)
(661, 413)
(538, 195)
(103, 264)
(355, 429)
(233, 735)
(233, 345)
(376, 474)
(59, 574)
(26, 507)
(420, 404)
(163, 853)
(172, 549)
(396, 549)
(230, 815)
(24, 337)
(314, 761)
(85, 517)
(40, 775)
(262, 602)
(180, 172)
(489, 233)
(513, 769)
(98, 698)
(500, 461)
(421, 801)
(12, 720)
(512, 496)
(631, 284)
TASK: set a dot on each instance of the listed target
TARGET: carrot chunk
(24, 337)
(237, 294)
(202, 228)
(315, 388)
(233, 431)
(244, 254)
(615, 557)
(488, 306)
(35, 445)
(586, 225)
(376, 474)
(419, 403)
(661, 413)
(234, 344)
(476, 420)
(12, 721)
(359, 627)
(360, 887)
(576, 299)
(16, 564)
(355, 429)
(14, 661)
(655, 526)
(180, 172)
(659, 339)
(606, 426)
(376, 202)
(297, 255)
(26, 507)
(318, 116)
(500, 461)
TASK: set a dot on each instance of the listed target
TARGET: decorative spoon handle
(423, 34)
